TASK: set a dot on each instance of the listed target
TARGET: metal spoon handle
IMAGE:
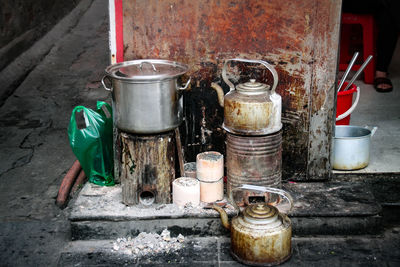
(358, 72)
(348, 70)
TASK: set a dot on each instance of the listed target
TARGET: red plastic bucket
(345, 104)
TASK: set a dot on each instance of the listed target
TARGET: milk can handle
(268, 66)
(104, 84)
(351, 109)
(261, 189)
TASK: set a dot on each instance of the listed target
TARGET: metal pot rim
(178, 69)
(365, 133)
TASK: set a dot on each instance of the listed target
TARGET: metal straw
(358, 72)
(348, 70)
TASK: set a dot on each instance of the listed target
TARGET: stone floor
(214, 251)
(342, 208)
(34, 147)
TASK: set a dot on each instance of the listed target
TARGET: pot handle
(104, 84)
(373, 130)
(351, 109)
(265, 64)
(186, 85)
(262, 189)
(147, 62)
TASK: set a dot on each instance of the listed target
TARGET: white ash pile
(149, 243)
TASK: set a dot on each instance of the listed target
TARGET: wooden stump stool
(147, 167)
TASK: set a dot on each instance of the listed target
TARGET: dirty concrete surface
(35, 155)
(34, 147)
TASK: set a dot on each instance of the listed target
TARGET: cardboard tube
(186, 190)
(190, 169)
(211, 192)
(210, 172)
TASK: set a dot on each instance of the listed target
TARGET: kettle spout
(224, 216)
(220, 93)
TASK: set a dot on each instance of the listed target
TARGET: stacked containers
(148, 106)
(210, 173)
(252, 119)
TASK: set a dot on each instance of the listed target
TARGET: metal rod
(358, 72)
(347, 70)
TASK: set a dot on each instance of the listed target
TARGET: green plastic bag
(93, 145)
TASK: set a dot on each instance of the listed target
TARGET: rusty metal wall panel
(322, 112)
(294, 36)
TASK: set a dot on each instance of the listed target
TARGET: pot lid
(146, 70)
(252, 86)
(261, 213)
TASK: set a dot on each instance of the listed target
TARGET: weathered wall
(24, 21)
(300, 38)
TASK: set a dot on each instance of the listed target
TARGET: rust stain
(235, 26)
(253, 159)
(351, 167)
(297, 37)
(247, 116)
(251, 22)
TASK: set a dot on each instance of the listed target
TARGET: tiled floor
(383, 111)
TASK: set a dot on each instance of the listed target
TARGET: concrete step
(383, 250)
(336, 208)
(384, 186)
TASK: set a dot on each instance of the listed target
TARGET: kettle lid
(252, 86)
(261, 213)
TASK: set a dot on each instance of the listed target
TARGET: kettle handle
(262, 189)
(267, 65)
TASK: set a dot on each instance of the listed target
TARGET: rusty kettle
(260, 235)
(250, 108)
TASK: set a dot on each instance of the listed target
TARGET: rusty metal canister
(255, 160)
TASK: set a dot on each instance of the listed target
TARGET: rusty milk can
(260, 235)
(255, 160)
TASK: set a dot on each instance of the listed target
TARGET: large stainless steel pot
(351, 149)
(147, 95)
